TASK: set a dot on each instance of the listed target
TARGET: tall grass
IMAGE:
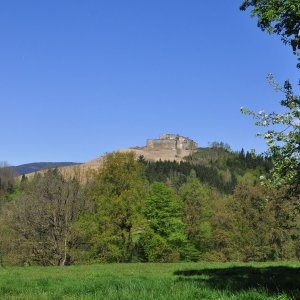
(153, 281)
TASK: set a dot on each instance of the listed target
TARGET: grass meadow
(238, 281)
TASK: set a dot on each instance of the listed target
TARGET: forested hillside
(217, 166)
(209, 207)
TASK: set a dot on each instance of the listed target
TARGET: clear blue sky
(81, 78)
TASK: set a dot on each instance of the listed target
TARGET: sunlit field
(153, 281)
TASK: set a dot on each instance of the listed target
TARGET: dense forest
(209, 207)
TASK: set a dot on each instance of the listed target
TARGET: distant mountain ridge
(39, 166)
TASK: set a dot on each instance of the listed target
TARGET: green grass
(237, 281)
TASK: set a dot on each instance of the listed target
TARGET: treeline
(136, 211)
(217, 167)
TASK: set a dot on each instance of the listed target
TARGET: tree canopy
(279, 17)
(117, 191)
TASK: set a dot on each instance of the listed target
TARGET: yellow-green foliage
(118, 192)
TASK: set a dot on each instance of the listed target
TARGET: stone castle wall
(171, 142)
(168, 136)
(161, 144)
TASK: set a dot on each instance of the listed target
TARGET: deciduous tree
(37, 227)
(164, 214)
(283, 143)
(118, 192)
(279, 17)
(195, 197)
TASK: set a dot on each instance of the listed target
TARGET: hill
(215, 166)
(80, 170)
(171, 156)
(169, 147)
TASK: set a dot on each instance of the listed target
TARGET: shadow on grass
(274, 280)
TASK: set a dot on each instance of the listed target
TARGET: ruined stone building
(171, 142)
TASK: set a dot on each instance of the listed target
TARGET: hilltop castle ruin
(171, 142)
